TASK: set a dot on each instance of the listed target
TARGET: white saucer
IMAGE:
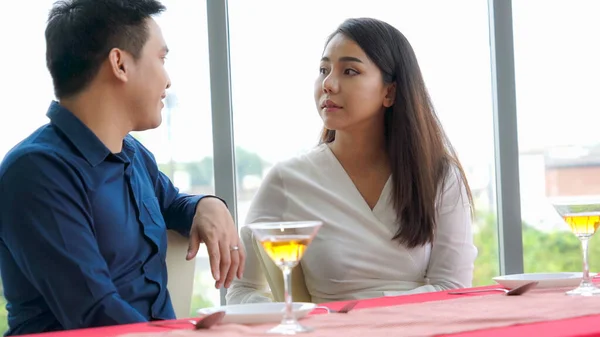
(545, 280)
(258, 313)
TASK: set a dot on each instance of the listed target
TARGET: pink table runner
(465, 313)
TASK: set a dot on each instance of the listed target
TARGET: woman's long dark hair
(419, 151)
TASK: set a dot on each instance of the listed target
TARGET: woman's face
(349, 91)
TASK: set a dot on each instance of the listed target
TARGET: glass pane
(274, 113)
(182, 145)
(557, 72)
(30, 93)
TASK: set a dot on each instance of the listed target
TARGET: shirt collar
(92, 149)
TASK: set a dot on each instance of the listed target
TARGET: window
(30, 93)
(274, 62)
(182, 145)
(557, 71)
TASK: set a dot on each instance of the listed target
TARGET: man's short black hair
(81, 33)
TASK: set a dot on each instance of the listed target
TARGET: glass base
(585, 289)
(290, 329)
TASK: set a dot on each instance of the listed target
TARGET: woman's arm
(269, 204)
(253, 286)
(453, 253)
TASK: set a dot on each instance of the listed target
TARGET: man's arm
(206, 222)
(178, 208)
(209, 222)
(47, 226)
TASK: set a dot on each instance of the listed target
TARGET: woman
(385, 181)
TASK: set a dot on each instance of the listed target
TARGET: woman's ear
(390, 95)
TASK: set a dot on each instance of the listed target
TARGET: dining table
(544, 312)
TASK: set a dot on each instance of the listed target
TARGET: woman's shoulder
(306, 162)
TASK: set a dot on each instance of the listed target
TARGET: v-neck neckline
(382, 195)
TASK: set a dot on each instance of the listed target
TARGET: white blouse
(353, 255)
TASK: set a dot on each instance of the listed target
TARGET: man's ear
(119, 63)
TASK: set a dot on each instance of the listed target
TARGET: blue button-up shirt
(83, 231)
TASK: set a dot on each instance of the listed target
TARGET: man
(83, 207)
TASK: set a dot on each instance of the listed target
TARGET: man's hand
(214, 226)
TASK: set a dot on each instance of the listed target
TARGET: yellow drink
(583, 224)
(286, 249)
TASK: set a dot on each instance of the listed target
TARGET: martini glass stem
(586, 266)
(289, 317)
